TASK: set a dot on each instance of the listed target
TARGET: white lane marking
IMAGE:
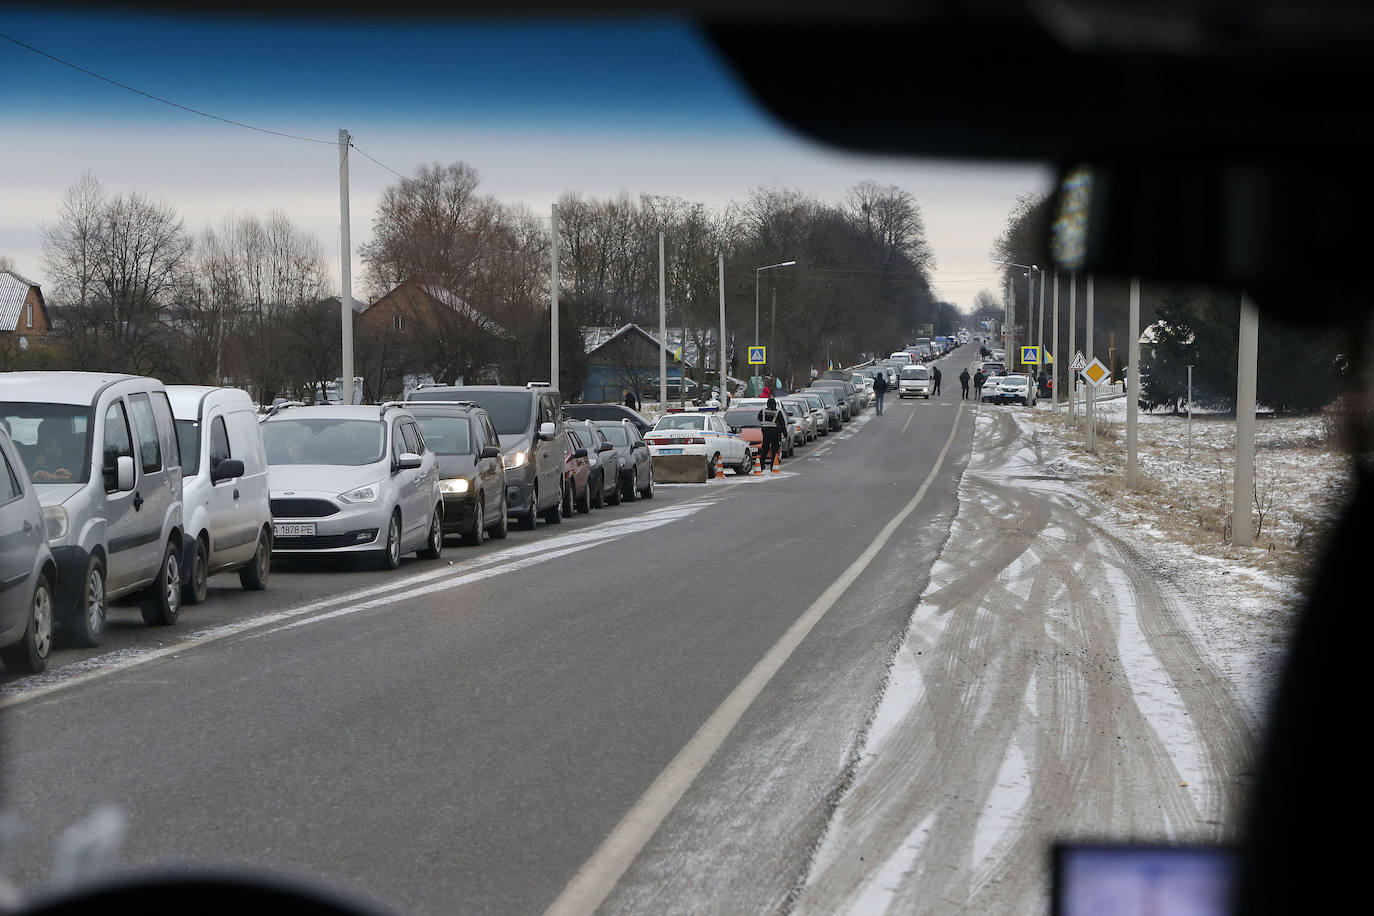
(906, 424)
(125, 659)
(598, 876)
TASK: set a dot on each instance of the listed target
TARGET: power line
(382, 164)
(156, 98)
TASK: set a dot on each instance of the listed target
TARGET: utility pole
(662, 331)
(1132, 383)
(1090, 392)
(345, 271)
(1247, 360)
(1073, 345)
(1055, 390)
(724, 386)
(1009, 332)
(773, 331)
(1190, 411)
(1040, 335)
(553, 310)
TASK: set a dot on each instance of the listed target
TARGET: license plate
(297, 530)
(670, 451)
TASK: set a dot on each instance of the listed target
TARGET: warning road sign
(1096, 373)
(1080, 362)
(1030, 356)
(758, 356)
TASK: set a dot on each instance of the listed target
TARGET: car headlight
(454, 485)
(366, 494)
(55, 521)
(516, 459)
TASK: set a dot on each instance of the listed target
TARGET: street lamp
(756, 299)
(1030, 304)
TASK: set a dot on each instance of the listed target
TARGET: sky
(538, 108)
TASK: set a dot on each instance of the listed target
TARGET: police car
(699, 432)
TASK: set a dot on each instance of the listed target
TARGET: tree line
(250, 301)
(1301, 368)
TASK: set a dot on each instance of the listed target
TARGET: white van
(102, 454)
(901, 357)
(225, 502)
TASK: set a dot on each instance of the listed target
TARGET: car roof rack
(281, 404)
(391, 405)
(409, 405)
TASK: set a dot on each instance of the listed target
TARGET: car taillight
(657, 441)
(697, 440)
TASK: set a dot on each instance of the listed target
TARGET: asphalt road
(465, 735)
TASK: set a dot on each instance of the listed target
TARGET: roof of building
(594, 339)
(14, 289)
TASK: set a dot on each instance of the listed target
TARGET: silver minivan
(102, 453)
(227, 516)
(28, 573)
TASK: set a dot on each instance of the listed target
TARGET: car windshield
(1012, 379)
(188, 438)
(827, 399)
(615, 434)
(324, 440)
(915, 372)
(672, 421)
(52, 439)
(446, 435)
(742, 418)
(510, 411)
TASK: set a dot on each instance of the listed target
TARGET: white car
(699, 432)
(1011, 388)
(999, 355)
(914, 382)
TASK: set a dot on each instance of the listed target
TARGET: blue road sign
(758, 356)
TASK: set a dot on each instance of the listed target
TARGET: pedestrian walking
(879, 389)
(963, 384)
(935, 374)
(631, 401)
(770, 416)
(978, 379)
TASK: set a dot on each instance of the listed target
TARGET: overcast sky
(642, 107)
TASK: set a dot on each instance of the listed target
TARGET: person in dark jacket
(978, 379)
(771, 416)
(935, 376)
(879, 389)
(631, 401)
(963, 384)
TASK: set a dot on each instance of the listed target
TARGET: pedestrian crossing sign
(758, 356)
(1030, 356)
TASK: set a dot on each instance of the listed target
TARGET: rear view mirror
(227, 469)
(638, 445)
(408, 461)
(547, 430)
(124, 473)
(605, 447)
(580, 453)
(488, 451)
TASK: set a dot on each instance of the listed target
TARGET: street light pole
(1010, 342)
(757, 272)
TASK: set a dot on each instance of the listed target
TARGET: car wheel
(434, 544)
(614, 497)
(473, 536)
(30, 654)
(584, 502)
(597, 497)
(647, 491)
(526, 521)
(502, 526)
(628, 486)
(554, 514)
(195, 590)
(389, 557)
(86, 627)
(568, 498)
(253, 577)
(747, 464)
(162, 600)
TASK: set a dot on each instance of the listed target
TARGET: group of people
(880, 386)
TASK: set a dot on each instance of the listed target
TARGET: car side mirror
(605, 447)
(124, 473)
(580, 453)
(488, 451)
(638, 445)
(547, 430)
(227, 469)
(408, 461)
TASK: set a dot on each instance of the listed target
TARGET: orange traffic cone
(720, 469)
(777, 460)
(758, 467)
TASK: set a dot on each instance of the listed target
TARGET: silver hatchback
(27, 571)
(352, 479)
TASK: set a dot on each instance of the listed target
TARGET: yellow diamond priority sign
(1096, 373)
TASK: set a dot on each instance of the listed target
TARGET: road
(472, 734)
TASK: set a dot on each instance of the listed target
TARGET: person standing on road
(935, 374)
(631, 401)
(879, 389)
(963, 384)
(978, 379)
(772, 434)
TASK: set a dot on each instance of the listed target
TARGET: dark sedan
(636, 464)
(471, 479)
(603, 412)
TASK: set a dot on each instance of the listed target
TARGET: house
(628, 357)
(418, 303)
(23, 313)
